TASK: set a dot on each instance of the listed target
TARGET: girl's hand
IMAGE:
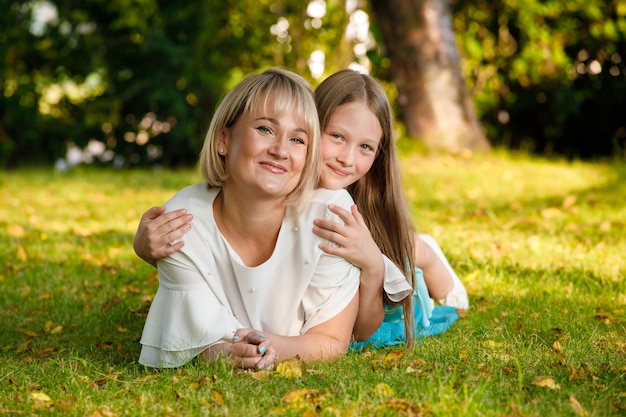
(252, 349)
(353, 239)
(157, 231)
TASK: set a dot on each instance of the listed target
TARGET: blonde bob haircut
(275, 91)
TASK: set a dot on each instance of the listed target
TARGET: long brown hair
(379, 193)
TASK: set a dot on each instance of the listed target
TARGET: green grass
(539, 244)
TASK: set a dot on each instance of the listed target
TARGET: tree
(435, 103)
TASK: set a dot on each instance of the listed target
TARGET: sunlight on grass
(538, 243)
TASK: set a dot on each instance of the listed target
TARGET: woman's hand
(157, 231)
(353, 239)
(252, 349)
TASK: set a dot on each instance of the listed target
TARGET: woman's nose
(279, 148)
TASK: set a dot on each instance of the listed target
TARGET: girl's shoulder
(339, 197)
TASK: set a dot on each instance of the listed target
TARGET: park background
(129, 83)
(511, 123)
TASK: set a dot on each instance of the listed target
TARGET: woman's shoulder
(195, 193)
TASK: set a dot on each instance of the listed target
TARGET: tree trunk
(436, 105)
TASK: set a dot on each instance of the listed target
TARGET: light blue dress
(430, 320)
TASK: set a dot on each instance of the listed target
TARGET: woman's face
(265, 153)
(349, 145)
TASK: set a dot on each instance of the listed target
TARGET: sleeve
(185, 318)
(335, 281)
(395, 284)
(334, 285)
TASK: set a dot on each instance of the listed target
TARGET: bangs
(279, 98)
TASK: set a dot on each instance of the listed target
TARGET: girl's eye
(335, 136)
(366, 147)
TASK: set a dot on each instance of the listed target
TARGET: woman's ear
(221, 143)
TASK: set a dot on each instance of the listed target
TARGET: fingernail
(261, 349)
(260, 366)
(235, 337)
(261, 336)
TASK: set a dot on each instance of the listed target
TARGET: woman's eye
(298, 140)
(264, 129)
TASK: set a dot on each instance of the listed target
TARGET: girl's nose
(346, 156)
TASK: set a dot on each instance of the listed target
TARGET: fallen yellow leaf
(492, 344)
(403, 407)
(21, 253)
(577, 407)
(568, 201)
(52, 328)
(289, 369)
(393, 357)
(550, 212)
(102, 413)
(16, 230)
(217, 396)
(546, 382)
(24, 346)
(304, 395)
(261, 375)
(471, 276)
(45, 295)
(40, 396)
(383, 391)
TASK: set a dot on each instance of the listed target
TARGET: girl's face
(349, 145)
(265, 153)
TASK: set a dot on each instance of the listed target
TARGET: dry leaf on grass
(260, 375)
(289, 369)
(402, 407)
(577, 407)
(16, 230)
(392, 357)
(546, 382)
(218, 398)
(383, 391)
(40, 396)
(300, 398)
(52, 328)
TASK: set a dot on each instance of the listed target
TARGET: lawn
(539, 244)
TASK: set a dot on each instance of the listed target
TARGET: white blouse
(206, 292)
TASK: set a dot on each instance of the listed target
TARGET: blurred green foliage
(135, 81)
(547, 75)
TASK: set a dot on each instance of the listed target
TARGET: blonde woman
(251, 284)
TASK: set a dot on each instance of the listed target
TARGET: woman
(251, 283)
(358, 154)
